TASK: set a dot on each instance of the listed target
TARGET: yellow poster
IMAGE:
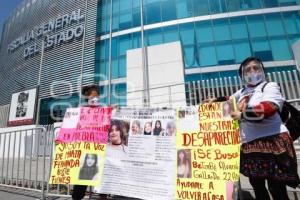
(208, 152)
(79, 163)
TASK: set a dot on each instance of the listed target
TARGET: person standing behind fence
(91, 93)
(267, 151)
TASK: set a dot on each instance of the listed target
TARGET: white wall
(166, 76)
(296, 51)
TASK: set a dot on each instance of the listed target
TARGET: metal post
(146, 95)
(110, 54)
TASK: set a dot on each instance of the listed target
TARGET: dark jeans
(277, 189)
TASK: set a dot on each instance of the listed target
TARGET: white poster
(141, 154)
(23, 108)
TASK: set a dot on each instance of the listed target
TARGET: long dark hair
(156, 131)
(87, 172)
(119, 126)
(185, 158)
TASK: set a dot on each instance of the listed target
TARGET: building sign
(22, 108)
(50, 41)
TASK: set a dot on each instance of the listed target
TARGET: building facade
(215, 36)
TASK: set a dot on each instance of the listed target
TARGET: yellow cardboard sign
(79, 163)
(208, 155)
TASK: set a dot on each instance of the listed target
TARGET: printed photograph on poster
(22, 108)
(227, 108)
(184, 169)
(135, 128)
(118, 138)
(89, 169)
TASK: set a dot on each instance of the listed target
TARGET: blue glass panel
(269, 3)
(234, 5)
(116, 7)
(251, 4)
(238, 28)
(126, 4)
(125, 19)
(280, 49)
(242, 50)
(115, 23)
(122, 66)
(136, 17)
(154, 36)
(115, 69)
(274, 25)
(152, 12)
(184, 8)
(256, 26)
(225, 53)
(104, 94)
(221, 30)
(287, 2)
(292, 22)
(114, 48)
(261, 49)
(204, 32)
(98, 49)
(125, 44)
(171, 34)
(207, 55)
(136, 40)
(217, 6)
(201, 7)
(168, 10)
(190, 56)
(103, 71)
(187, 33)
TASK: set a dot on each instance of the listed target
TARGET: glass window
(115, 23)
(221, 30)
(122, 66)
(116, 7)
(269, 3)
(256, 26)
(291, 22)
(201, 7)
(238, 28)
(217, 6)
(242, 50)
(234, 5)
(153, 12)
(125, 44)
(190, 56)
(114, 48)
(187, 33)
(170, 34)
(125, 4)
(125, 19)
(115, 69)
(136, 17)
(251, 4)
(274, 25)
(136, 39)
(287, 2)
(184, 8)
(168, 10)
(280, 49)
(154, 36)
(207, 55)
(261, 49)
(225, 53)
(204, 31)
(103, 70)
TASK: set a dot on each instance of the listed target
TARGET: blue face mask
(95, 101)
(254, 78)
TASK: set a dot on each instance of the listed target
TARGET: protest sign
(207, 154)
(141, 154)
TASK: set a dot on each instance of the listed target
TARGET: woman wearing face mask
(267, 152)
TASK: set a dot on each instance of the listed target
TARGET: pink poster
(87, 124)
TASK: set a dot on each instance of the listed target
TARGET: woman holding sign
(267, 152)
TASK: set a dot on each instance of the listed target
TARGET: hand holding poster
(208, 155)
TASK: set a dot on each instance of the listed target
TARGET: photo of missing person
(184, 163)
(170, 129)
(148, 128)
(89, 170)
(181, 114)
(118, 138)
(157, 128)
(22, 104)
(227, 107)
(135, 128)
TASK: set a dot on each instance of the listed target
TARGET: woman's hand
(236, 115)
